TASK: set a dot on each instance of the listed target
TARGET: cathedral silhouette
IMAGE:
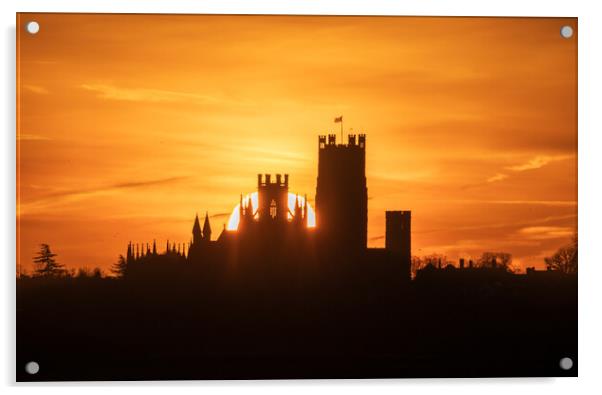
(277, 298)
(272, 238)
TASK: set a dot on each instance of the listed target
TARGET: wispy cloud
(40, 90)
(31, 137)
(527, 223)
(546, 232)
(111, 92)
(63, 196)
(497, 177)
(121, 185)
(219, 215)
(537, 162)
(551, 203)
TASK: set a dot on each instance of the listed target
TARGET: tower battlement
(264, 180)
(330, 141)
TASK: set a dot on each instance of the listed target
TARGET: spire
(196, 230)
(207, 228)
(154, 247)
(249, 208)
(167, 247)
(305, 216)
(129, 253)
(297, 215)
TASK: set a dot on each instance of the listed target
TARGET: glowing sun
(234, 217)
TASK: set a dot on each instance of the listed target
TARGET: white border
(590, 199)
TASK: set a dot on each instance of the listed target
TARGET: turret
(398, 238)
(321, 141)
(362, 141)
(351, 139)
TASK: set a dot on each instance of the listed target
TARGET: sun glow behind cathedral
(293, 199)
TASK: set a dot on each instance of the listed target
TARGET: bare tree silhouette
(565, 259)
(417, 263)
(436, 260)
(501, 260)
(87, 273)
(46, 264)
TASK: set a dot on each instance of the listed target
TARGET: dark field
(447, 325)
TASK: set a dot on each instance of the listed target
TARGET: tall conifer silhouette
(47, 266)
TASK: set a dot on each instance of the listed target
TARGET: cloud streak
(527, 223)
(497, 177)
(31, 137)
(546, 232)
(149, 95)
(106, 188)
(58, 197)
(550, 203)
(534, 163)
(219, 215)
(40, 90)
(537, 162)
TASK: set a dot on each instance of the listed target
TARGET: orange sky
(128, 125)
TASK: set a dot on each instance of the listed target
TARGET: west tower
(341, 193)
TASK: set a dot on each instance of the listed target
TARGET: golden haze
(128, 125)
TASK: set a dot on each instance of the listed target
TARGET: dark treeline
(268, 318)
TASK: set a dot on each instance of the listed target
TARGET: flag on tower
(338, 119)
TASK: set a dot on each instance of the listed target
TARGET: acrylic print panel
(256, 197)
